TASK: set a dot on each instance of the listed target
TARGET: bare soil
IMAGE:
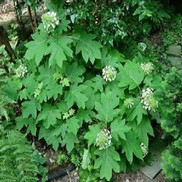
(127, 177)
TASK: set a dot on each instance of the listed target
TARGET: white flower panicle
(148, 100)
(129, 103)
(109, 73)
(103, 139)
(144, 149)
(50, 21)
(21, 71)
(147, 68)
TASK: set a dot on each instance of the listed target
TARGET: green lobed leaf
(92, 134)
(49, 115)
(73, 125)
(75, 72)
(130, 75)
(106, 107)
(137, 112)
(37, 48)
(75, 95)
(84, 115)
(59, 50)
(142, 130)
(50, 137)
(131, 146)
(118, 129)
(69, 140)
(107, 162)
(30, 108)
(89, 48)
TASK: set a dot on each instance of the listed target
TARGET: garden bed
(89, 109)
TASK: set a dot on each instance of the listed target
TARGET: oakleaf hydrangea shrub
(78, 94)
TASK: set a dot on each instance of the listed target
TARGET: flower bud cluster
(38, 90)
(129, 103)
(147, 68)
(50, 21)
(21, 71)
(148, 100)
(144, 149)
(68, 114)
(109, 73)
(103, 139)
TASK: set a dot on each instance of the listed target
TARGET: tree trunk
(5, 41)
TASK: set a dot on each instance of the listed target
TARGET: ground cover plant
(76, 91)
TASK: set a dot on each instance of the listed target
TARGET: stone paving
(174, 53)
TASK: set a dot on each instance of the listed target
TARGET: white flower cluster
(68, 114)
(50, 21)
(38, 90)
(144, 149)
(147, 68)
(142, 46)
(109, 73)
(69, 1)
(21, 71)
(103, 139)
(148, 100)
(129, 103)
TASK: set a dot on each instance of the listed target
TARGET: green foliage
(107, 162)
(61, 159)
(40, 162)
(16, 158)
(5, 101)
(171, 123)
(114, 21)
(67, 100)
(172, 159)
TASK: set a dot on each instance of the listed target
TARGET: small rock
(152, 170)
(174, 50)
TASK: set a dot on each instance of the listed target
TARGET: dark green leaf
(107, 162)
(90, 49)
(131, 146)
(137, 112)
(118, 129)
(37, 48)
(49, 115)
(106, 108)
(29, 108)
(59, 49)
(69, 140)
(130, 75)
(92, 134)
(75, 95)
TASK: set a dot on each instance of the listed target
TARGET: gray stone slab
(175, 60)
(175, 50)
(152, 170)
